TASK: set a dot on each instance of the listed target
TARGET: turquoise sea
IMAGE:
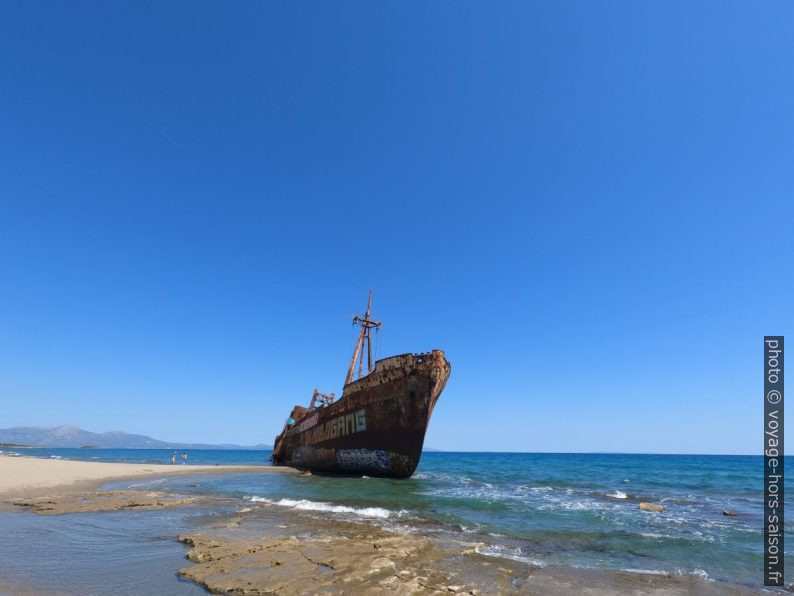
(545, 509)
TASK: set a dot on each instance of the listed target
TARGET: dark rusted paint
(376, 428)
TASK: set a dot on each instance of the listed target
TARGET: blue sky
(588, 206)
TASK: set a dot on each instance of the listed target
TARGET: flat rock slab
(108, 500)
(351, 562)
(328, 557)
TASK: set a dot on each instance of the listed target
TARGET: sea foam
(306, 505)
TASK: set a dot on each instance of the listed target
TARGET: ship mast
(364, 336)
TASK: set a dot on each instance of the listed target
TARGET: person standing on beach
(173, 458)
(184, 457)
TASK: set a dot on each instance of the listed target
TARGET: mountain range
(72, 436)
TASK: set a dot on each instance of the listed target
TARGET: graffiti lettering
(337, 427)
(362, 459)
(308, 423)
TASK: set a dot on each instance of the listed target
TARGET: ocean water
(544, 509)
(87, 554)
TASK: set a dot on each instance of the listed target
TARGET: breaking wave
(306, 505)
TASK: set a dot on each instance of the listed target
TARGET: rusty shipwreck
(377, 427)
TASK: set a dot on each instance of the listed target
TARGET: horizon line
(209, 447)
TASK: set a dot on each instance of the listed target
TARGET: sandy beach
(31, 477)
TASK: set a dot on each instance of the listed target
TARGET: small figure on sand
(184, 457)
(173, 458)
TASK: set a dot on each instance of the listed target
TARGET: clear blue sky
(587, 205)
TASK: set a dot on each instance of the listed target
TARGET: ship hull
(377, 427)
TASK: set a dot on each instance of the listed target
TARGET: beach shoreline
(261, 544)
(31, 478)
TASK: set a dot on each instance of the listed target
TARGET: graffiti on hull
(363, 459)
(347, 424)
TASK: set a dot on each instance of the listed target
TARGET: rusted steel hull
(376, 428)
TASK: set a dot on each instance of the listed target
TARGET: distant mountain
(71, 436)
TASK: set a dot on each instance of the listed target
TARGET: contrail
(169, 139)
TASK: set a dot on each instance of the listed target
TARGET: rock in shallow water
(337, 558)
(652, 507)
(108, 500)
(330, 557)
